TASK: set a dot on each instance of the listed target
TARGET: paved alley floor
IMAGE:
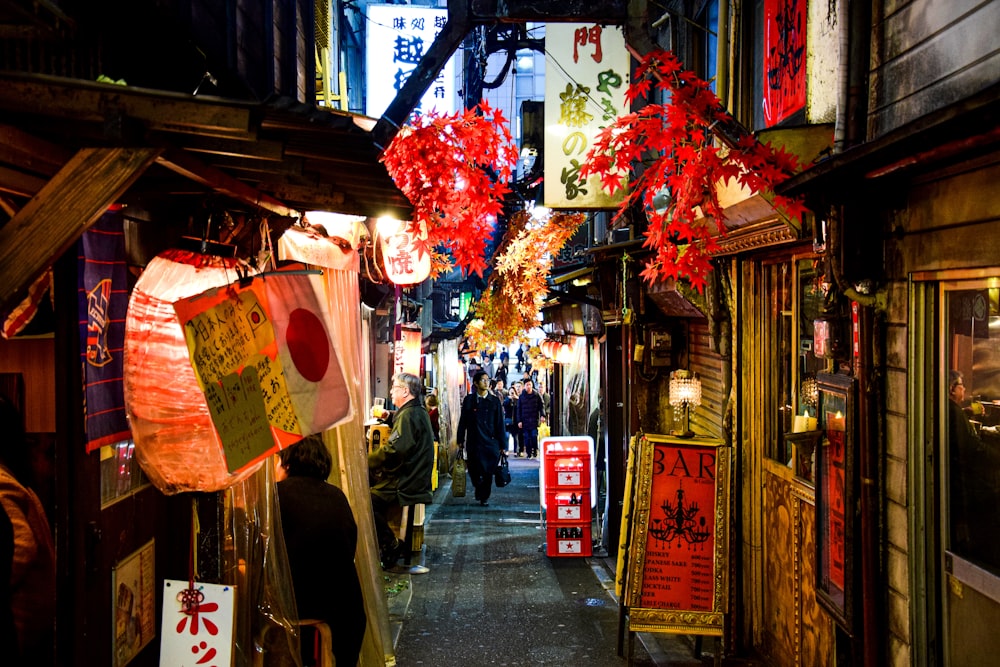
(492, 596)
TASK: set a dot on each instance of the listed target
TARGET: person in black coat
(529, 409)
(510, 419)
(480, 428)
(321, 537)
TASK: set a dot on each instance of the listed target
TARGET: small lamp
(685, 391)
(809, 392)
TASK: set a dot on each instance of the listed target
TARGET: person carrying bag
(481, 432)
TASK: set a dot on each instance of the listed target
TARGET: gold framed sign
(677, 571)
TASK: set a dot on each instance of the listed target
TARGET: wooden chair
(273, 647)
(323, 646)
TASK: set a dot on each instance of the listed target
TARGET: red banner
(784, 59)
(836, 485)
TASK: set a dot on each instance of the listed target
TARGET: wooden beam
(96, 102)
(31, 153)
(23, 184)
(262, 149)
(63, 209)
(197, 171)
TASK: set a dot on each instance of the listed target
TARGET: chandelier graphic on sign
(682, 522)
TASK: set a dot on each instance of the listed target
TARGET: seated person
(402, 465)
(321, 538)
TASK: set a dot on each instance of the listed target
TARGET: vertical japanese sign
(834, 479)
(678, 540)
(784, 59)
(197, 624)
(586, 76)
(398, 37)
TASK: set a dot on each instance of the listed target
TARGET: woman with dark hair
(321, 537)
(33, 569)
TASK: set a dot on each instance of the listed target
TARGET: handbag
(458, 476)
(501, 476)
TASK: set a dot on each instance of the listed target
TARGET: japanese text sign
(398, 37)
(586, 76)
(197, 626)
(784, 59)
(263, 355)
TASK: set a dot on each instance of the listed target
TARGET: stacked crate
(567, 500)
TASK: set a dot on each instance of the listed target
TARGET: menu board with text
(677, 569)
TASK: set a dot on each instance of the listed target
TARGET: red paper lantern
(175, 441)
(405, 263)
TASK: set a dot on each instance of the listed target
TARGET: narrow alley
(492, 596)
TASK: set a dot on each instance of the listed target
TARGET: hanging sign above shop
(784, 59)
(397, 37)
(265, 360)
(405, 262)
(586, 76)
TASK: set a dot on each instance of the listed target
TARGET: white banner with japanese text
(398, 37)
(586, 76)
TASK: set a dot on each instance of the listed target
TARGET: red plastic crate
(558, 543)
(568, 472)
(560, 507)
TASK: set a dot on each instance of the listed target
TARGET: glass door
(969, 378)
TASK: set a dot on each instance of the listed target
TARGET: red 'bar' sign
(679, 570)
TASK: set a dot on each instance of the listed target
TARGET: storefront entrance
(955, 410)
(970, 470)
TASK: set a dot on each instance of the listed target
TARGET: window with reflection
(777, 337)
(971, 324)
(795, 294)
(120, 472)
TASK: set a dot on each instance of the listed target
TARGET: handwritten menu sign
(677, 571)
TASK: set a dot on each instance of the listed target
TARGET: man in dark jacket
(480, 429)
(403, 463)
(529, 409)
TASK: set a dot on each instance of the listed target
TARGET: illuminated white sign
(586, 75)
(398, 37)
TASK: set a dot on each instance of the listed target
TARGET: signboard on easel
(678, 542)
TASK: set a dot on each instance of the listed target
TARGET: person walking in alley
(529, 409)
(321, 538)
(402, 465)
(481, 432)
(510, 417)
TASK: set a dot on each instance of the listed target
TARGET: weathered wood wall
(928, 54)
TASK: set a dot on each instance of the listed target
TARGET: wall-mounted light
(685, 392)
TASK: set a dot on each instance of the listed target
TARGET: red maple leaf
(667, 148)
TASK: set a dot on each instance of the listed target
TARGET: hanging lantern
(404, 263)
(408, 350)
(175, 441)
